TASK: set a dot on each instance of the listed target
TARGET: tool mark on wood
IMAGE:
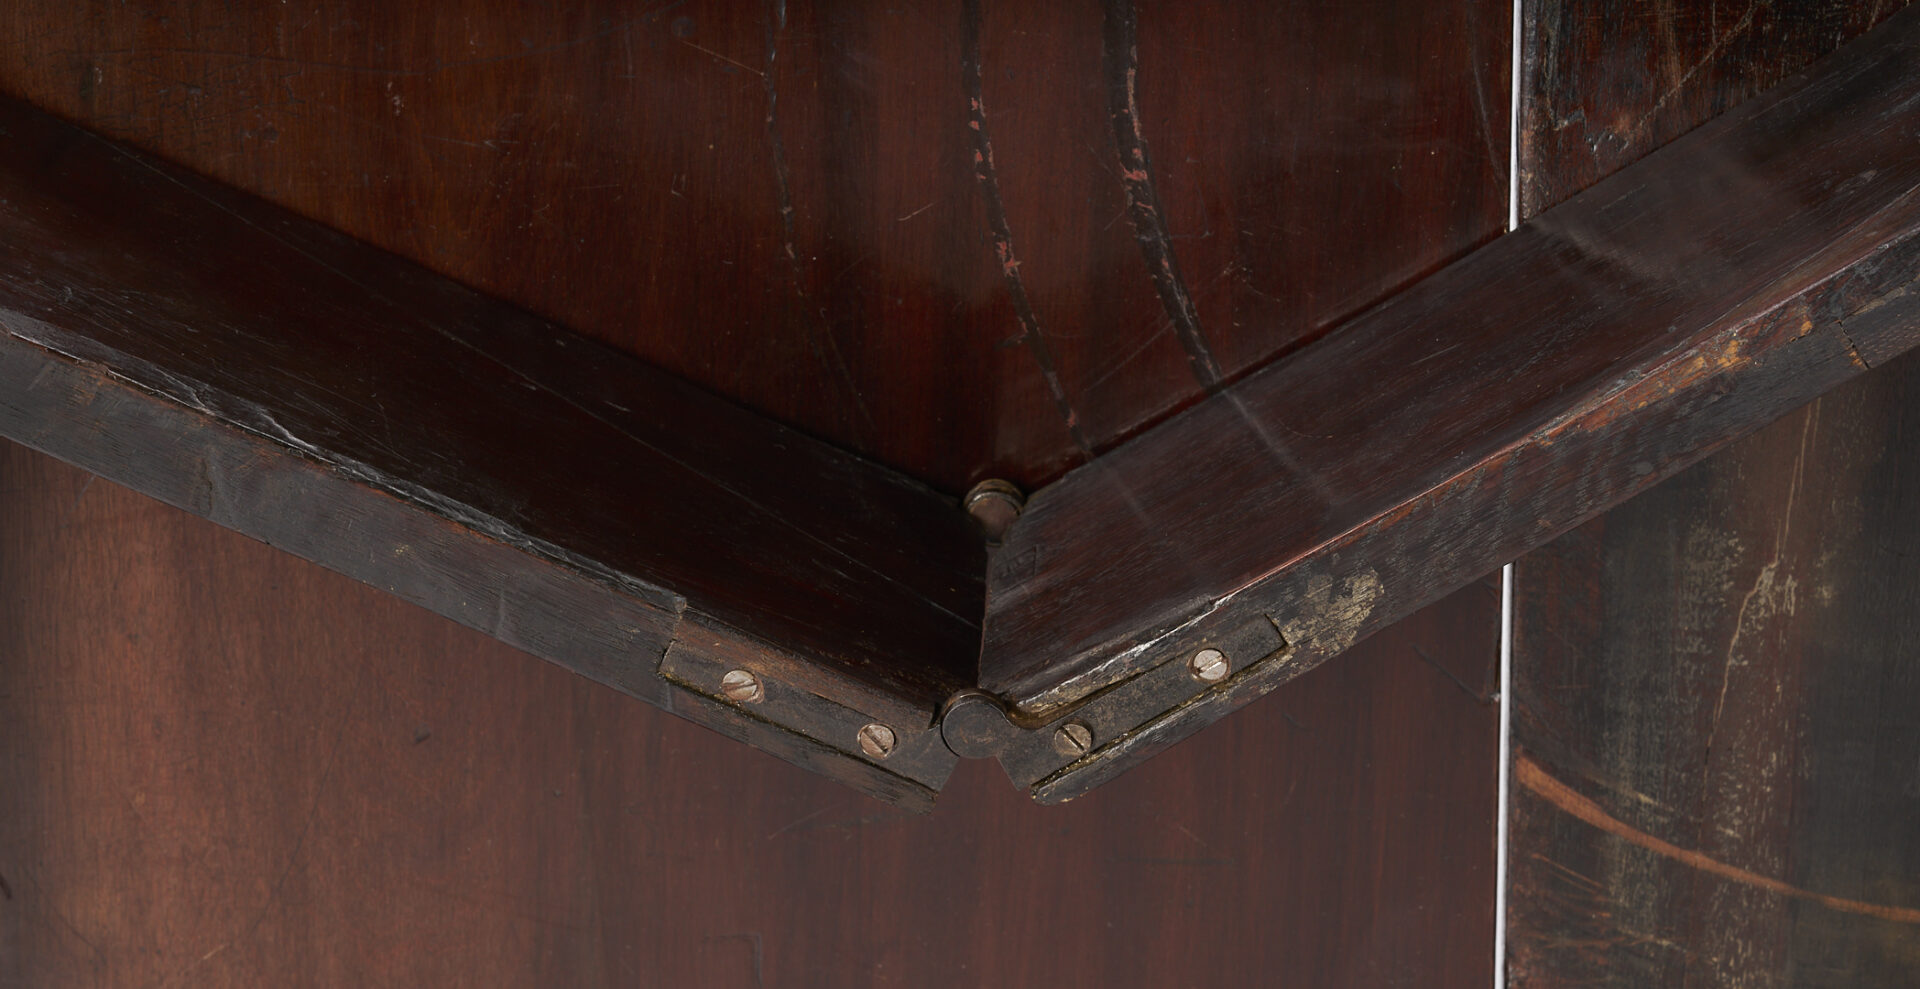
(998, 228)
(1475, 70)
(1121, 59)
(1449, 674)
(1534, 777)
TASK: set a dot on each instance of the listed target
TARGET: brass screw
(741, 686)
(1209, 666)
(876, 740)
(1072, 739)
(994, 504)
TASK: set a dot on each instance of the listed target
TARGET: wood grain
(1608, 343)
(797, 590)
(1724, 665)
(778, 201)
(1713, 784)
(1598, 100)
(350, 407)
(220, 765)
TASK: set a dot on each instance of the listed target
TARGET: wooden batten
(263, 371)
(1690, 298)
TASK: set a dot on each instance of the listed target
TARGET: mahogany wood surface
(1609, 342)
(800, 558)
(346, 405)
(222, 766)
(1713, 682)
(779, 201)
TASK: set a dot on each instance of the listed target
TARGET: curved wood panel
(779, 201)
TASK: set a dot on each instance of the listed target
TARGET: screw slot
(876, 740)
(741, 687)
(1072, 739)
(1209, 666)
(994, 504)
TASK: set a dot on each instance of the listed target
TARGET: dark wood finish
(778, 201)
(1715, 686)
(220, 765)
(343, 404)
(1659, 314)
(1597, 100)
(1611, 341)
(1712, 780)
(858, 596)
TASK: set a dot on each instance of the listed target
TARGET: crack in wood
(1121, 58)
(999, 229)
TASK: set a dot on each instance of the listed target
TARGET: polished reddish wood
(779, 201)
(352, 408)
(241, 769)
(775, 200)
(222, 766)
(1608, 343)
(1685, 238)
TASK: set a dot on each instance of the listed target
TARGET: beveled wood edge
(119, 320)
(1834, 317)
(86, 416)
(1681, 405)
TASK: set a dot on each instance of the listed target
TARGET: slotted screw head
(1072, 739)
(994, 504)
(741, 686)
(1209, 666)
(876, 740)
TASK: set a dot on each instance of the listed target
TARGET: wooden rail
(331, 399)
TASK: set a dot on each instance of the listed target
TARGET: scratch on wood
(196, 963)
(998, 227)
(1476, 69)
(1121, 57)
(1569, 874)
(783, 187)
(1534, 777)
(70, 507)
(1679, 85)
(1769, 595)
(1449, 674)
